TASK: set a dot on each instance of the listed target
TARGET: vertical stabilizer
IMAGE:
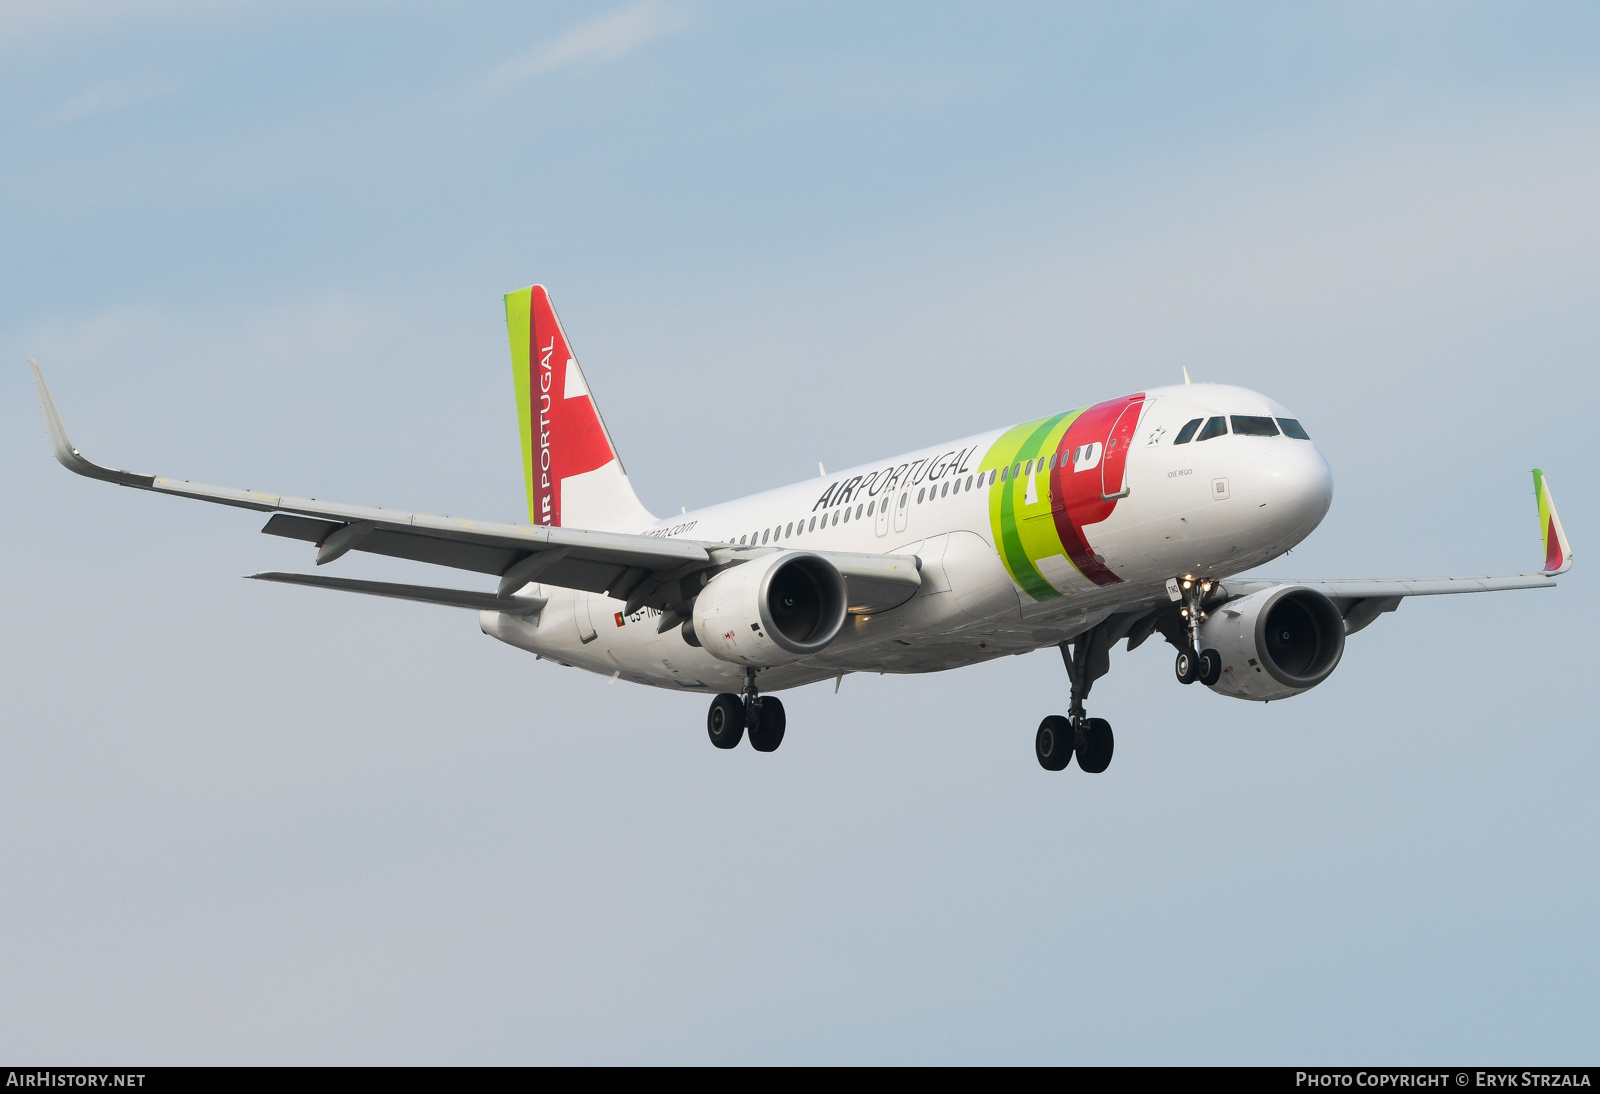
(573, 475)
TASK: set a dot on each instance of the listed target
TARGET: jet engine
(1274, 643)
(771, 610)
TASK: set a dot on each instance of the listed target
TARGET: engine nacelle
(1274, 643)
(771, 610)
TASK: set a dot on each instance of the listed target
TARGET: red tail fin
(573, 475)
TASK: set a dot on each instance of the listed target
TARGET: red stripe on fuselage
(1076, 498)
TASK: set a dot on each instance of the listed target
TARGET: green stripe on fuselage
(1024, 533)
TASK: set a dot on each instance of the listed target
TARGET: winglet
(70, 457)
(1557, 551)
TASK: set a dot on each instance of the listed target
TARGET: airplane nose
(1294, 485)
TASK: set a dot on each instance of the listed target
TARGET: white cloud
(110, 96)
(607, 38)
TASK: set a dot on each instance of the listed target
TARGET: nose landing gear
(731, 716)
(1193, 663)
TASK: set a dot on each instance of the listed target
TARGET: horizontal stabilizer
(426, 594)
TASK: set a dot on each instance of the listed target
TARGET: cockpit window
(1246, 425)
(1292, 428)
(1216, 427)
(1186, 434)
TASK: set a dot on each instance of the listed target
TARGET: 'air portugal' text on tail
(571, 468)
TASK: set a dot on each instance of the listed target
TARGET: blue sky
(264, 245)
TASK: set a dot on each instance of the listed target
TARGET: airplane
(1080, 529)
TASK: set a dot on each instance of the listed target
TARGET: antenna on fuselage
(1186, 374)
(821, 471)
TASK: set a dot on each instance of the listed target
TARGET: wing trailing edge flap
(425, 594)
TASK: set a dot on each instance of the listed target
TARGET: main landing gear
(1090, 739)
(731, 716)
(1204, 665)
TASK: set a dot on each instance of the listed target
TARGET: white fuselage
(1209, 508)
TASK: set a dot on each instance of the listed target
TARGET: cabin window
(858, 512)
(1216, 427)
(789, 531)
(742, 539)
(765, 532)
(871, 505)
(836, 517)
(1292, 428)
(847, 514)
(1028, 470)
(1052, 461)
(1004, 473)
(945, 491)
(1186, 434)
(920, 493)
(1016, 470)
(969, 482)
(1251, 425)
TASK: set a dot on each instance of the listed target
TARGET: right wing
(644, 571)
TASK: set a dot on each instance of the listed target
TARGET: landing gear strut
(731, 716)
(1192, 662)
(1087, 658)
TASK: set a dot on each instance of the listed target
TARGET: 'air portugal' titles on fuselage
(909, 473)
(1026, 535)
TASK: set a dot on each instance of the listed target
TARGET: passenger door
(1115, 460)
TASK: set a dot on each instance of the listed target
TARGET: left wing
(644, 571)
(1362, 600)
